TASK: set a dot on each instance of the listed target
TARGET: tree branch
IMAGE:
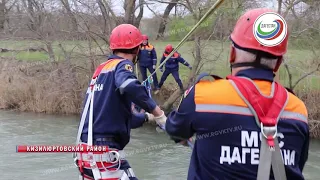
(291, 5)
(289, 75)
(306, 75)
(168, 2)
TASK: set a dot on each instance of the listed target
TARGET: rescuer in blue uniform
(148, 60)
(172, 66)
(115, 89)
(228, 115)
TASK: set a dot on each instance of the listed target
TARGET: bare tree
(293, 85)
(164, 18)
(105, 15)
(3, 13)
(129, 7)
(109, 9)
(5, 7)
(66, 5)
(137, 19)
(39, 19)
(279, 6)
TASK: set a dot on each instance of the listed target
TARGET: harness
(147, 84)
(104, 165)
(267, 111)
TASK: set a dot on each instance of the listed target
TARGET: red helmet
(243, 34)
(125, 36)
(145, 37)
(169, 48)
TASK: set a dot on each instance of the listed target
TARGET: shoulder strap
(267, 110)
(90, 97)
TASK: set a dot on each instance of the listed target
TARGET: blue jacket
(173, 61)
(117, 88)
(227, 137)
(147, 56)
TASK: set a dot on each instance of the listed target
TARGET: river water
(152, 155)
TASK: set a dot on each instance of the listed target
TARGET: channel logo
(270, 29)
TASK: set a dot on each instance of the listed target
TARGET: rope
(204, 17)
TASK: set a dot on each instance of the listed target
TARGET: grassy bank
(31, 82)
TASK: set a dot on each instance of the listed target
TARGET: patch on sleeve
(187, 92)
(128, 67)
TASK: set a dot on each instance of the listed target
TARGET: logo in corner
(270, 29)
(128, 67)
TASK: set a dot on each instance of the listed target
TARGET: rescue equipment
(125, 36)
(246, 41)
(267, 111)
(145, 37)
(104, 165)
(244, 38)
(148, 87)
(168, 48)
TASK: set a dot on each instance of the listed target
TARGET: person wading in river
(107, 116)
(231, 116)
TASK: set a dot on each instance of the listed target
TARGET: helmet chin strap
(250, 64)
(135, 59)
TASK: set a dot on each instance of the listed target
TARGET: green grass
(26, 56)
(22, 46)
(300, 59)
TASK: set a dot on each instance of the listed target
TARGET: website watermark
(217, 132)
(183, 29)
(25, 66)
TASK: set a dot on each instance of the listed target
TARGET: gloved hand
(154, 66)
(161, 69)
(161, 120)
(150, 117)
(190, 67)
